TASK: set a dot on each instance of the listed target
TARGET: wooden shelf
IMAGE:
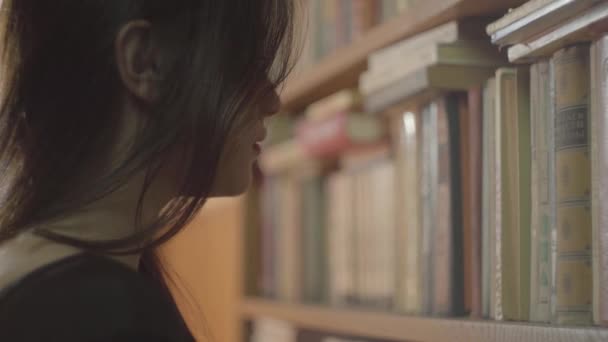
(407, 328)
(342, 68)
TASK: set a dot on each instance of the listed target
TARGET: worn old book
(585, 26)
(422, 85)
(573, 186)
(543, 206)
(488, 208)
(534, 18)
(515, 153)
(471, 167)
(405, 133)
(331, 136)
(467, 53)
(599, 163)
(451, 32)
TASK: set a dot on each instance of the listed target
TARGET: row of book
(488, 200)
(336, 23)
(268, 329)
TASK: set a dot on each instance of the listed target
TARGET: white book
(579, 28)
(537, 16)
(466, 53)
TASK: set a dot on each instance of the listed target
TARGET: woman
(119, 118)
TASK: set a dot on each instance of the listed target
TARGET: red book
(334, 135)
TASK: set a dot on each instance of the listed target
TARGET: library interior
(414, 187)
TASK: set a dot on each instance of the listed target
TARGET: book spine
(488, 209)
(542, 213)
(341, 238)
(443, 236)
(289, 271)
(471, 166)
(428, 195)
(502, 84)
(456, 103)
(524, 160)
(313, 240)
(383, 230)
(573, 186)
(599, 162)
(515, 118)
(406, 126)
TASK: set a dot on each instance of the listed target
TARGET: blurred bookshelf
(467, 103)
(379, 325)
(341, 69)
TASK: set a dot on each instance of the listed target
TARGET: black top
(88, 298)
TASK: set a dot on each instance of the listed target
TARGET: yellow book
(573, 186)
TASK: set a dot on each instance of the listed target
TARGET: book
(429, 181)
(329, 137)
(490, 219)
(406, 135)
(451, 32)
(599, 160)
(269, 216)
(289, 228)
(573, 186)
(586, 26)
(467, 53)
(341, 238)
(423, 85)
(516, 14)
(346, 100)
(534, 18)
(542, 198)
(447, 245)
(282, 157)
(471, 170)
(515, 153)
(380, 234)
(313, 238)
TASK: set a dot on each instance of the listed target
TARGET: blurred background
(428, 179)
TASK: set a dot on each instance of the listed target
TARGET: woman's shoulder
(87, 297)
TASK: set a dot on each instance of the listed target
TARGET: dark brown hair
(60, 87)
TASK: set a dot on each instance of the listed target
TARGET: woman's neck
(112, 217)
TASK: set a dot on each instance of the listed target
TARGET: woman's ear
(138, 60)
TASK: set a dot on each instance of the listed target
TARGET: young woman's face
(243, 148)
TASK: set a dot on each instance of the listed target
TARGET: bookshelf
(339, 70)
(342, 68)
(421, 329)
